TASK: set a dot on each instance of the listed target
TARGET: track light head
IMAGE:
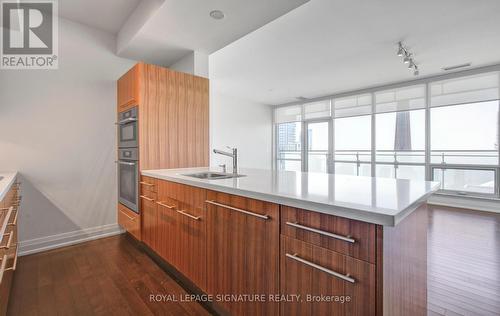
(400, 49)
(407, 58)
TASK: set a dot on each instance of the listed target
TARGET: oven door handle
(126, 163)
(127, 120)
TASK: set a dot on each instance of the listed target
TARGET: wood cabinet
(181, 233)
(328, 282)
(149, 209)
(260, 258)
(9, 212)
(173, 119)
(130, 221)
(149, 221)
(128, 89)
(243, 251)
(172, 129)
(168, 221)
(346, 236)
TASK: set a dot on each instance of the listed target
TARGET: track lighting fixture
(407, 58)
(400, 49)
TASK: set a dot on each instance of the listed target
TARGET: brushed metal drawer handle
(9, 242)
(2, 267)
(14, 265)
(322, 232)
(166, 205)
(147, 198)
(147, 184)
(316, 266)
(14, 222)
(238, 209)
(129, 217)
(6, 221)
(197, 218)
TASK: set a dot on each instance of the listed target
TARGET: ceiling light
(408, 58)
(416, 72)
(217, 14)
(400, 49)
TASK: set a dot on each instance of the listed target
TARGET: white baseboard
(465, 202)
(67, 239)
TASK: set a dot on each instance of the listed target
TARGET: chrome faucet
(233, 154)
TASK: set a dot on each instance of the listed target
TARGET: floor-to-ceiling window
(400, 133)
(464, 128)
(443, 130)
(352, 134)
(289, 138)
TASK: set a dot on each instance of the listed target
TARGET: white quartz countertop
(381, 201)
(6, 181)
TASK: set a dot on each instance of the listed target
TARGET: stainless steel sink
(213, 175)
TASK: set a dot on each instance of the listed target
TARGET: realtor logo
(29, 34)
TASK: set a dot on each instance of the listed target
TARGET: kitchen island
(303, 243)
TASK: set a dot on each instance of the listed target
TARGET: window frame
(428, 165)
(276, 150)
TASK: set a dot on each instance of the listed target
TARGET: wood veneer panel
(128, 89)
(149, 223)
(193, 236)
(297, 277)
(169, 242)
(129, 220)
(243, 252)
(363, 233)
(182, 120)
(404, 254)
(152, 95)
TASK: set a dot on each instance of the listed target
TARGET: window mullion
(373, 138)
(428, 171)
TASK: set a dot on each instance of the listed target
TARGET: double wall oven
(128, 160)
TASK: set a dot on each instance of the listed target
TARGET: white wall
(195, 63)
(243, 124)
(57, 129)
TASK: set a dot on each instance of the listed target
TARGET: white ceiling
(106, 15)
(330, 46)
(178, 27)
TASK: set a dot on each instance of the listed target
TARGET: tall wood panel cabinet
(172, 125)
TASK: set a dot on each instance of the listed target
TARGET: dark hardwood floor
(464, 262)
(112, 276)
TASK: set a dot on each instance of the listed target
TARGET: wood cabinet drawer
(148, 185)
(8, 266)
(181, 233)
(243, 251)
(9, 238)
(130, 221)
(149, 222)
(328, 282)
(346, 236)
